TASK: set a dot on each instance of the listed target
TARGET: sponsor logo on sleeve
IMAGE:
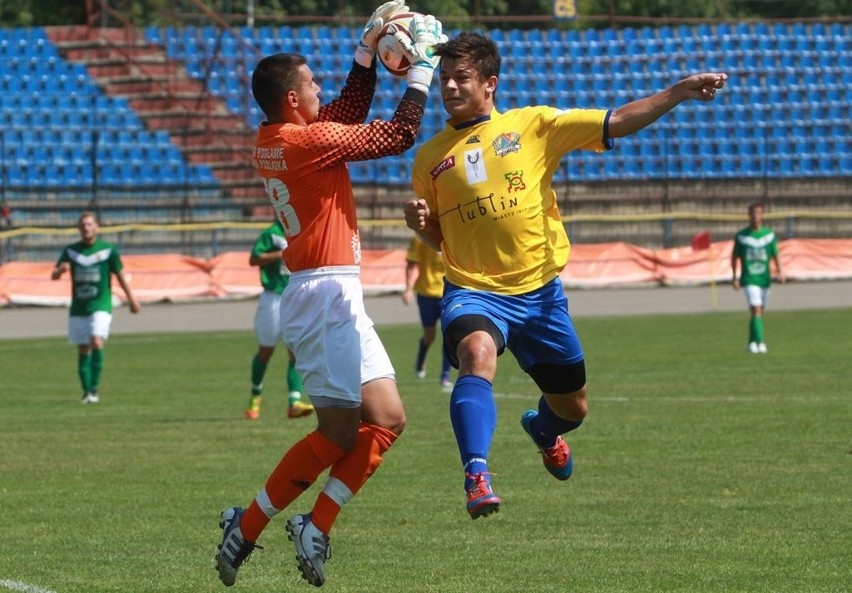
(446, 164)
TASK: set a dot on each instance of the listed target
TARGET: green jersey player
(92, 262)
(267, 254)
(755, 246)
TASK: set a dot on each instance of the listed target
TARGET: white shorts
(81, 329)
(756, 296)
(336, 346)
(267, 319)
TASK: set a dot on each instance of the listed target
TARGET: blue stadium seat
(811, 66)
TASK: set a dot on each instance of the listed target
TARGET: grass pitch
(700, 468)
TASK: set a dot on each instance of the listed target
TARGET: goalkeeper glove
(425, 33)
(366, 50)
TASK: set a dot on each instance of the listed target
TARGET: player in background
(301, 153)
(92, 263)
(268, 254)
(424, 280)
(484, 199)
(755, 246)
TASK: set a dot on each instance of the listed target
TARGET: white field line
(533, 398)
(23, 587)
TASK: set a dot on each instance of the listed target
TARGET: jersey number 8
(279, 195)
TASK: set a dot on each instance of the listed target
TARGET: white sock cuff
(474, 460)
(265, 504)
(337, 491)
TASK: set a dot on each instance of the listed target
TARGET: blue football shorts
(535, 326)
(430, 310)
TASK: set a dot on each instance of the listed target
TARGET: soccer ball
(389, 49)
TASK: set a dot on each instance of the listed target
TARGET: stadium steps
(166, 97)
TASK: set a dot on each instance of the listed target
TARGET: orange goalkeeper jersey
(306, 177)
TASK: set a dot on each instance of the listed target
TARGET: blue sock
(421, 356)
(474, 416)
(547, 425)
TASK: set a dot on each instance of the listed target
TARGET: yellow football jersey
(489, 185)
(430, 275)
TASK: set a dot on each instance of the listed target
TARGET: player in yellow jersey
(424, 279)
(484, 199)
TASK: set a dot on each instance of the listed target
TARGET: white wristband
(364, 56)
(419, 78)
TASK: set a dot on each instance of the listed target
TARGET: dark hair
(273, 77)
(480, 51)
(754, 206)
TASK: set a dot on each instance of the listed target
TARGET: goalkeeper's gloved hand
(366, 50)
(425, 33)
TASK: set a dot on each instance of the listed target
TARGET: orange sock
(294, 474)
(350, 472)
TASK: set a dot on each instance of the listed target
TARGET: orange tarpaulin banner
(174, 277)
(168, 276)
(30, 284)
(816, 259)
(231, 272)
(610, 264)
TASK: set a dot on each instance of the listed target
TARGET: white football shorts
(267, 319)
(756, 296)
(336, 346)
(82, 328)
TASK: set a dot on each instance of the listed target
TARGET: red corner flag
(700, 241)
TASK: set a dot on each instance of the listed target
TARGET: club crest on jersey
(473, 139)
(447, 163)
(516, 181)
(507, 143)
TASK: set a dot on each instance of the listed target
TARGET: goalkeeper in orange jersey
(301, 153)
(484, 199)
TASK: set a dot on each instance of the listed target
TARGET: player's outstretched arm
(634, 116)
(356, 96)
(366, 51)
(425, 32)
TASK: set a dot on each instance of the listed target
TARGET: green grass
(700, 468)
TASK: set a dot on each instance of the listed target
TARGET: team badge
(507, 143)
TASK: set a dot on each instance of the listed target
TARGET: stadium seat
(810, 67)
